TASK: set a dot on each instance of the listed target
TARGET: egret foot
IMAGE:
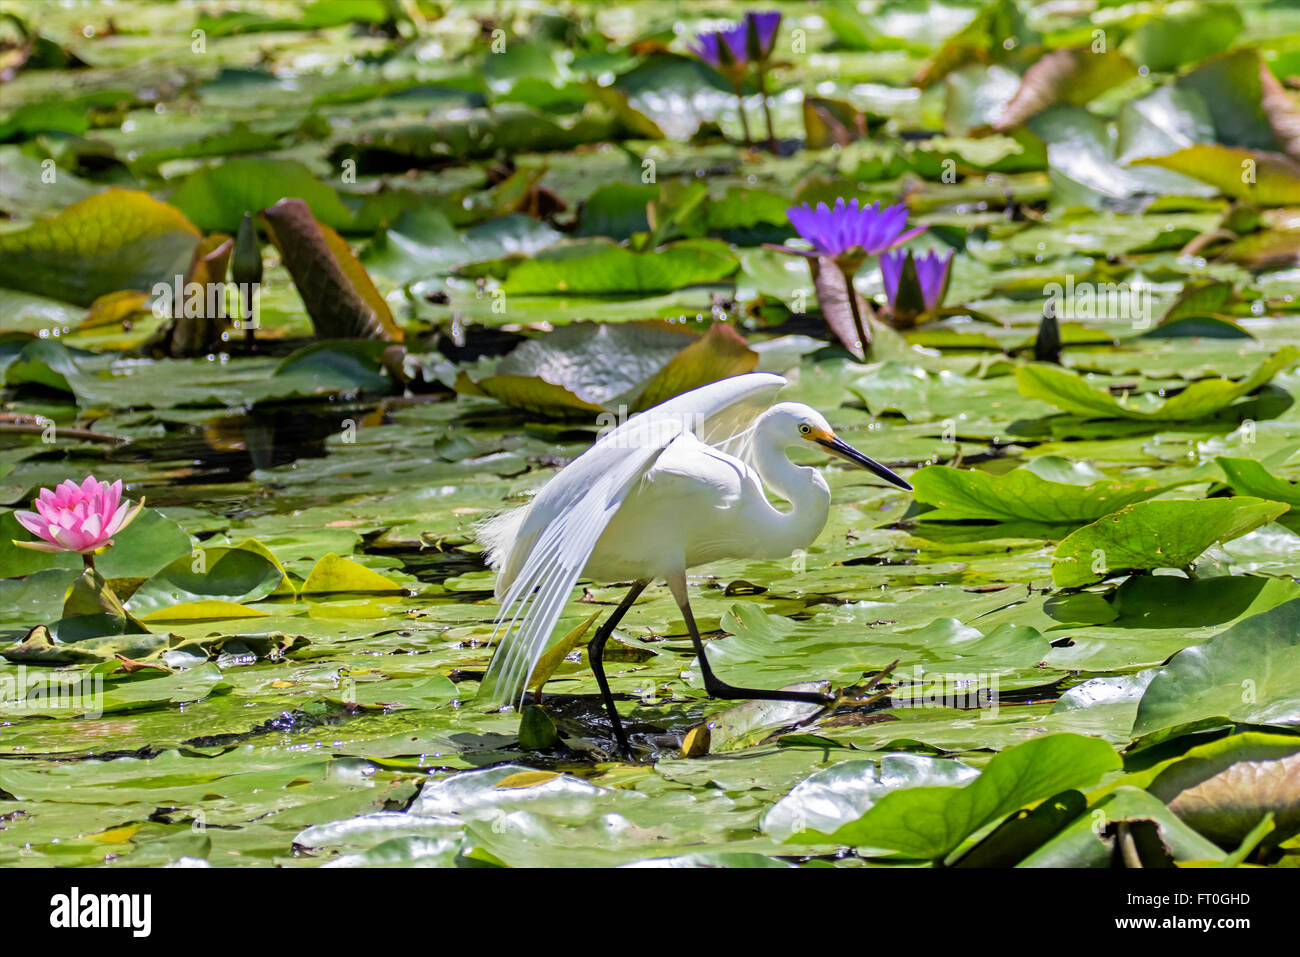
(718, 688)
(595, 655)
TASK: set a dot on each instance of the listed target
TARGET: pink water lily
(77, 518)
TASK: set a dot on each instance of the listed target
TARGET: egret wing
(568, 516)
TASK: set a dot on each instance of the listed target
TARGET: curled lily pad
(1249, 477)
(1199, 400)
(1256, 176)
(1105, 835)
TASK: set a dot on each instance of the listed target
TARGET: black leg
(595, 652)
(720, 689)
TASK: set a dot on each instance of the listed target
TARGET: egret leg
(716, 687)
(595, 653)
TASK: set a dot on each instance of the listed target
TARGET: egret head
(795, 422)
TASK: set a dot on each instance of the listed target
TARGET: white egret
(672, 487)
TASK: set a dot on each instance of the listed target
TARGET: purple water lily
(849, 233)
(931, 270)
(733, 50)
(765, 27)
(724, 49)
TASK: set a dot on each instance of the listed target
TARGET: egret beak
(837, 446)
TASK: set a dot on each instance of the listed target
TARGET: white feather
(542, 549)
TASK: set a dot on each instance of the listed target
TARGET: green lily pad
(599, 267)
(612, 369)
(1091, 841)
(929, 822)
(208, 575)
(1155, 535)
(215, 198)
(333, 575)
(117, 239)
(1249, 477)
(1200, 399)
(1249, 674)
(966, 494)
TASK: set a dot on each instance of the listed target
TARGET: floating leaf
(1249, 674)
(1085, 844)
(593, 267)
(1254, 176)
(1202, 398)
(333, 574)
(1182, 34)
(1152, 535)
(216, 197)
(929, 822)
(966, 494)
(829, 799)
(215, 574)
(117, 239)
(612, 367)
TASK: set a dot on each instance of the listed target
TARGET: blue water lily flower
(722, 49)
(765, 26)
(731, 48)
(924, 284)
(849, 233)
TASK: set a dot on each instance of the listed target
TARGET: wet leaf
(118, 239)
(1151, 535)
(1202, 398)
(964, 494)
(930, 821)
(1247, 674)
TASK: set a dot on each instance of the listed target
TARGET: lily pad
(966, 494)
(928, 822)
(117, 239)
(1152, 535)
(1199, 400)
(1249, 674)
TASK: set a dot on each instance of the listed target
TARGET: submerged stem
(772, 145)
(744, 120)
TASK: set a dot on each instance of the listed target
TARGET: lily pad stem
(772, 145)
(864, 340)
(744, 120)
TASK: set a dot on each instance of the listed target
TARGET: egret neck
(801, 486)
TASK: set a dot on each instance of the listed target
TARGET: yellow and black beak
(837, 446)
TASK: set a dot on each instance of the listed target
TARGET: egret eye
(805, 429)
